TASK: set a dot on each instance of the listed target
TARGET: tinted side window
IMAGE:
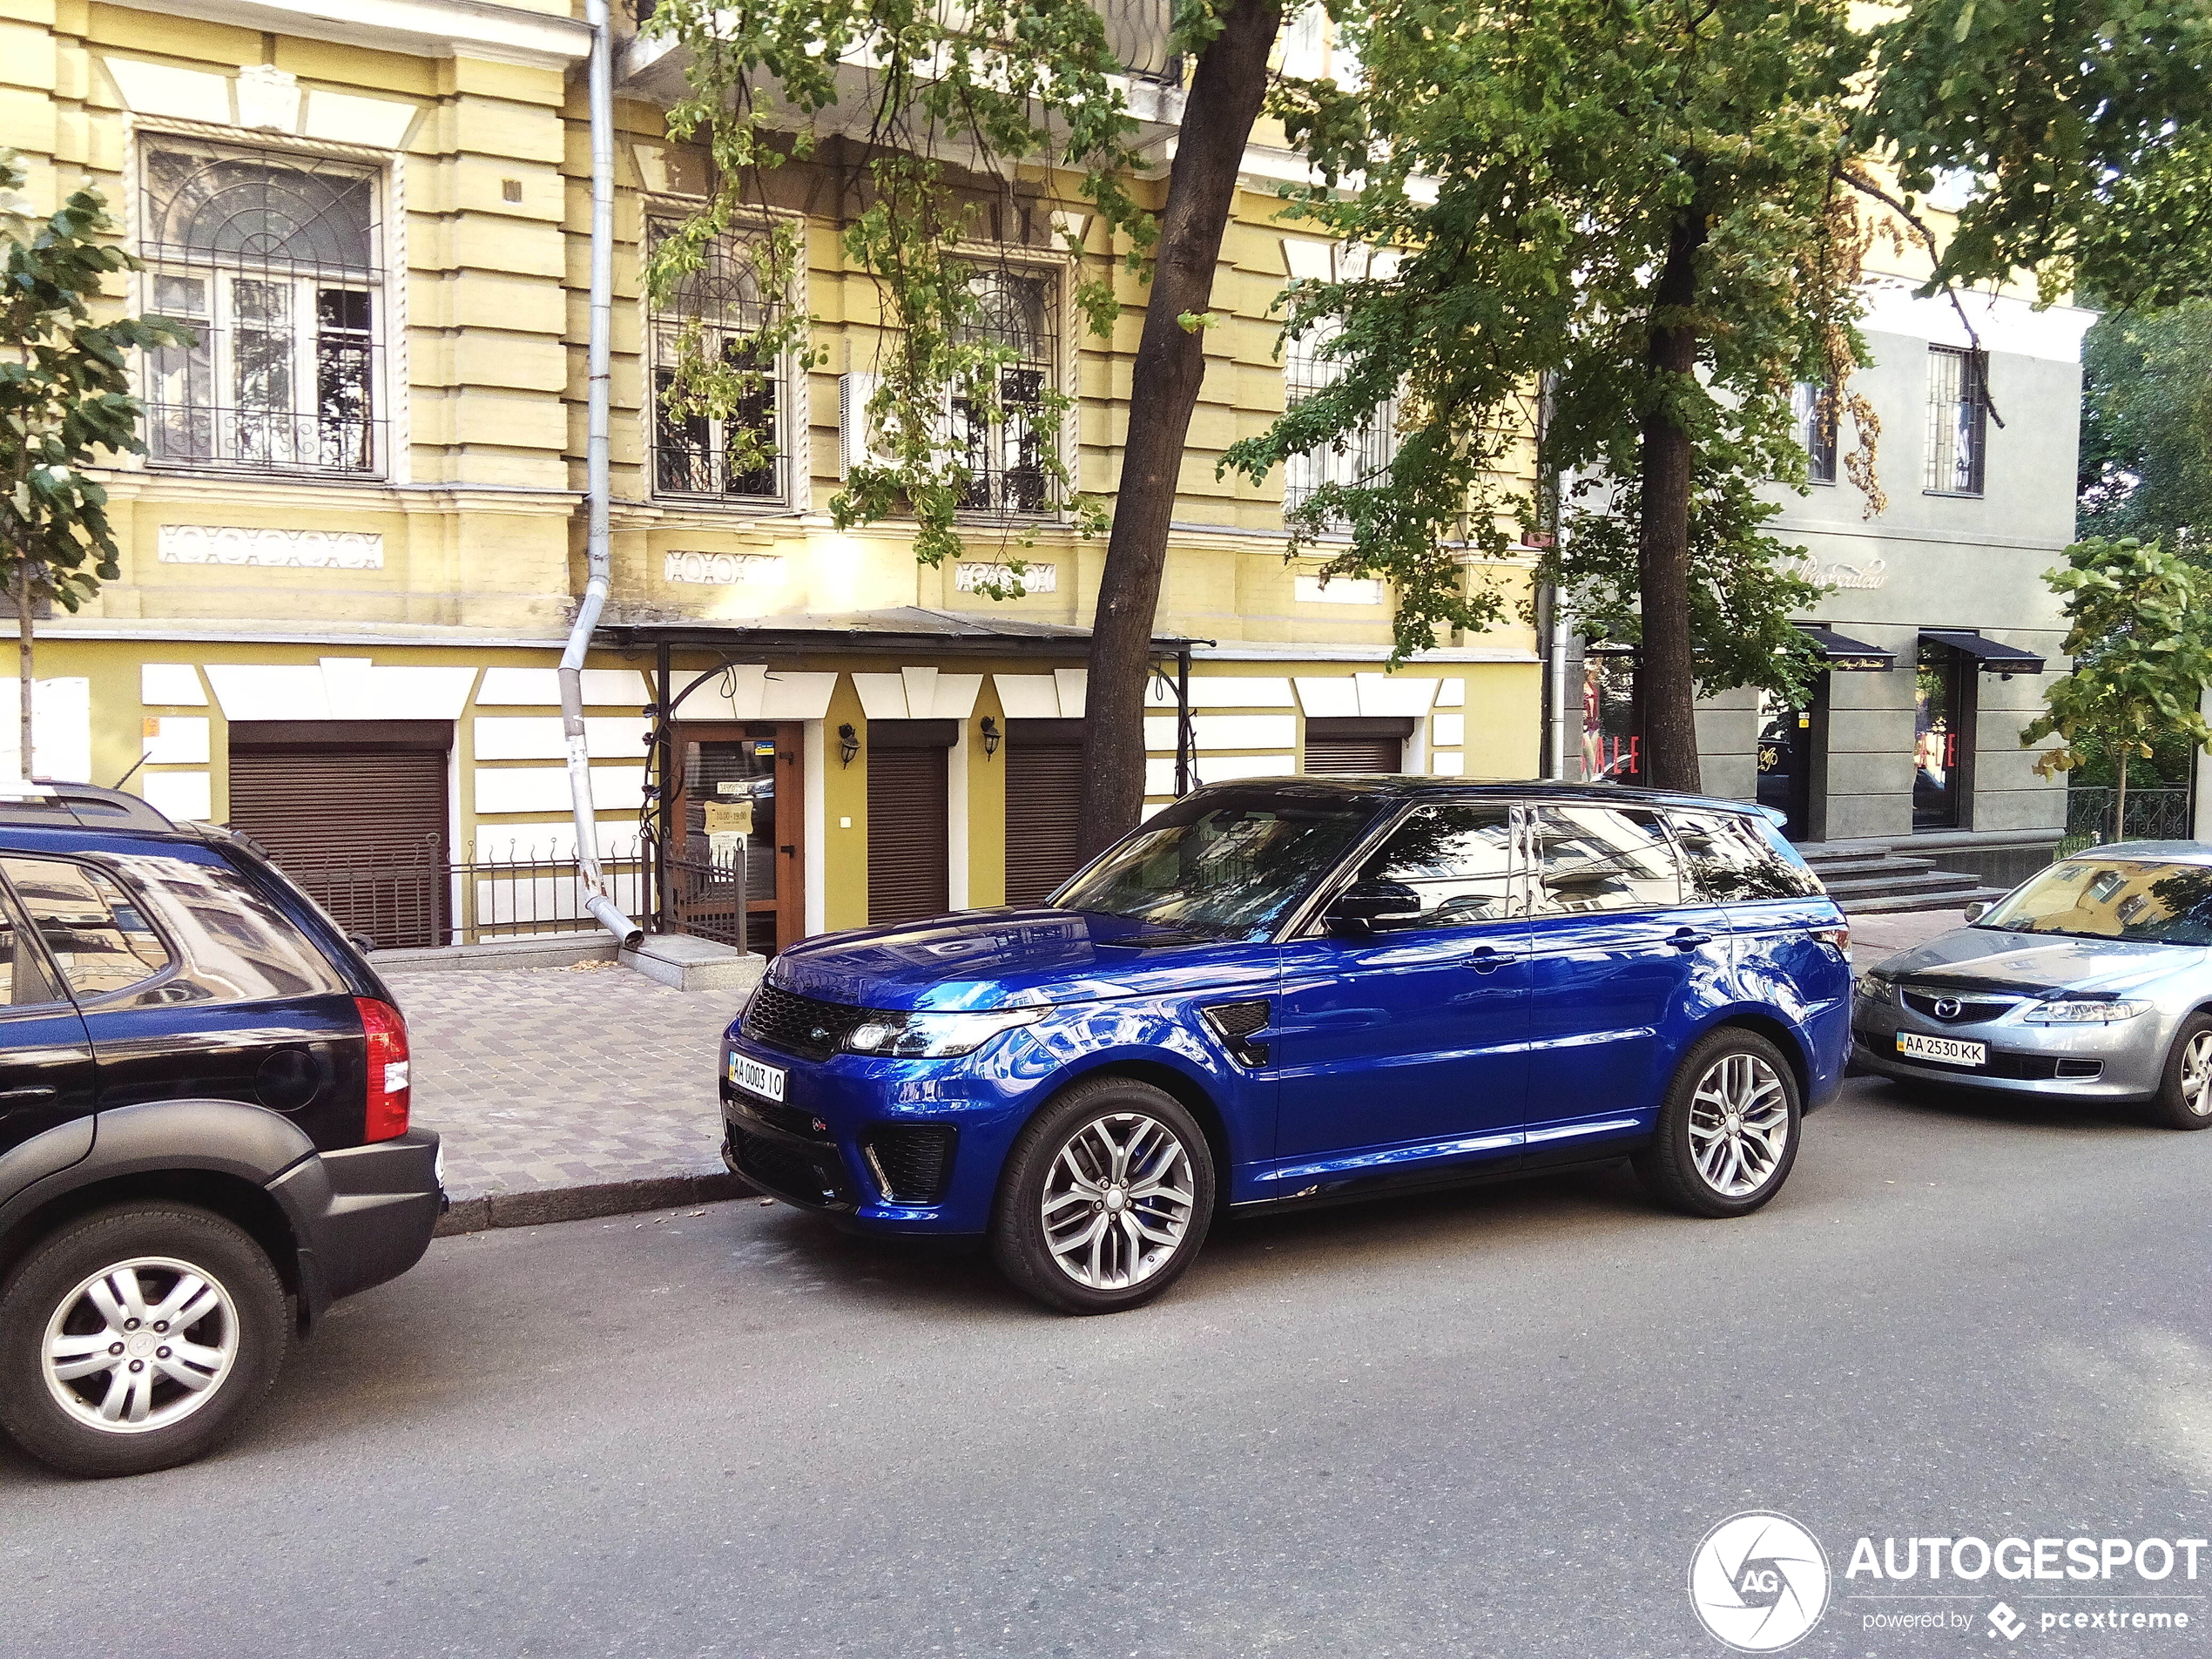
(1455, 862)
(242, 948)
(1728, 858)
(95, 935)
(22, 981)
(1604, 858)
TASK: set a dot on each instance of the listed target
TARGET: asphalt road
(1497, 1422)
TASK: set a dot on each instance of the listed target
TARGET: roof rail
(42, 802)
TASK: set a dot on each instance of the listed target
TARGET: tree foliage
(2142, 655)
(64, 393)
(2145, 465)
(2086, 128)
(927, 117)
(1649, 210)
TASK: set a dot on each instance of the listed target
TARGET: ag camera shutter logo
(1759, 1582)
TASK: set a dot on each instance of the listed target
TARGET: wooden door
(739, 781)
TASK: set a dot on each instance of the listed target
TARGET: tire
(2184, 1097)
(1711, 1156)
(1110, 1244)
(188, 1394)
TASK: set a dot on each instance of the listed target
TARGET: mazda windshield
(2149, 899)
(1226, 863)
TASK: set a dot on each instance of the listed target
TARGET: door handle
(1487, 958)
(1687, 939)
(35, 1091)
(788, 851)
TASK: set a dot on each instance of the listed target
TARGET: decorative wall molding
(722, 570)
(300, 549)
(1338, 590)
(977, 577)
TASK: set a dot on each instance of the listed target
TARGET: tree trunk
(26, 681)
(1225, 100)
(1667, 679)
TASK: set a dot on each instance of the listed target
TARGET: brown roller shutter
(1044, 795)
(355, 815)
(909, 844)
(1356, 748)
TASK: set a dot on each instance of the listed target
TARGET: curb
(583, 1203)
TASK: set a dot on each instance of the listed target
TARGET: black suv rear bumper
(363, 1214)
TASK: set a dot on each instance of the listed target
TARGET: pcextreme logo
(1759, 1582)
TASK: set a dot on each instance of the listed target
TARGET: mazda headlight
(935, 1036)
(2084, 1010)
(1876, 988)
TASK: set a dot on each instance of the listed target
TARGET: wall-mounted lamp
(848, 743)
(991, 737)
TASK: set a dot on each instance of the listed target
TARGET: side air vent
(1234, 1023)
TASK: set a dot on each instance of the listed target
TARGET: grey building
(1905, 762)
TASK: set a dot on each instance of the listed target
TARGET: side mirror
(1977, 910)
(1362, 908)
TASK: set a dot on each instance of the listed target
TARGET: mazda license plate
(1950, 1051)
(749, 1074)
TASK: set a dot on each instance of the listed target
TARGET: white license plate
(1914, 1045)
(749, 1074)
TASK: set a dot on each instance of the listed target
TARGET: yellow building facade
(351, 557)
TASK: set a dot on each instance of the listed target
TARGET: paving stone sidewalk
(567, 1092)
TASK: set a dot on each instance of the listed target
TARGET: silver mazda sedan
(2093, 980)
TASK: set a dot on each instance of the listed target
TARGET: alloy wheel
(2196, 1074)
(1739, 1124)
(1119, 1201)
(141, 1345)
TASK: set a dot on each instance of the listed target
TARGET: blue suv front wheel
(1106, 1197)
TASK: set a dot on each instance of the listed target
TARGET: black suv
(203, 1134)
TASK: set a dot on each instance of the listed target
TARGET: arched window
(1005, 455)
(706, 457)
(270, 258)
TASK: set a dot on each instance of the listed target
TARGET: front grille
(789, 1119)
(787, 1170)
(915, 1160)
(800, 1025)
(1965, 1012)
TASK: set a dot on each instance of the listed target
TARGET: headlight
(1875, 989)
(2084, 1011)
(935, 1036)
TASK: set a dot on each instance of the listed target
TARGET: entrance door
(1044, 797)
(355, 811)
(1787, 740)
(1939, 740)
(909, 836)
(738, 784)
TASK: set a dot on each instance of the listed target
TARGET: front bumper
(2125, 1061)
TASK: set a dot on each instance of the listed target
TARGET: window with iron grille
(270, 258)
(1815, 406)
(1008, 458)
(1958, 420)
(1357, 457)
(705, 457)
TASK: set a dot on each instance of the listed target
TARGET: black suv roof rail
(46, 804)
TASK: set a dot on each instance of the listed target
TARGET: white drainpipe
(597, 898)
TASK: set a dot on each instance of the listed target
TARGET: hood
(997, 959)
(1991, 959)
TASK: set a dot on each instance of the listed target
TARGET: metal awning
(874, 633)
(1841, 652)
(1991, 656)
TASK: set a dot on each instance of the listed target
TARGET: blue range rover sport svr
(1297, 991)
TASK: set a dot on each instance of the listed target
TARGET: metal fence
(410, 895)
(706, 897)
(2157, 814)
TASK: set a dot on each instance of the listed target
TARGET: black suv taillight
(389, 1091)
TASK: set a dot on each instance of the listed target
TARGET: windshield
(1223, 865)
(2095, 898)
